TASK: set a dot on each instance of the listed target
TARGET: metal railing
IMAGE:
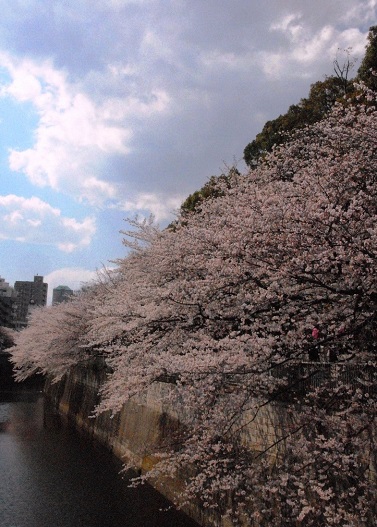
(301, 378)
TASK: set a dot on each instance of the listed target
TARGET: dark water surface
(51, 476)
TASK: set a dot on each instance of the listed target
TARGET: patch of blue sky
(17, 125)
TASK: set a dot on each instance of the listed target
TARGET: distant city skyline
(112, 108)
(8, 289)
(16, 300)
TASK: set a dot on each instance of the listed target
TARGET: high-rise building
(29, 294)
(5, 288)
(7, 304)
(61, 294)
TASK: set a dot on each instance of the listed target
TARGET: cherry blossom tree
(54, 339)
(243, 305)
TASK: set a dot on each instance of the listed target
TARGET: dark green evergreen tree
(212, 189)
(368, 68)
(320, 100)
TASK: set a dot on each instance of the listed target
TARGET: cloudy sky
(110, 108)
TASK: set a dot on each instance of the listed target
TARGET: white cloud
(306, 48)
(35, 221)
(273, 64)
(309, 50)
(228, 60)
(303, 48)
(133, 106)
(352, 39)
(162, 207)
(75, 135)
(118, 4)
(362, 12)
(153, 45)
(289, 25)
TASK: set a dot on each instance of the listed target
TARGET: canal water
(51, 476)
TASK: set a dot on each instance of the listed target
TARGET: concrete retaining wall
(143, 423)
